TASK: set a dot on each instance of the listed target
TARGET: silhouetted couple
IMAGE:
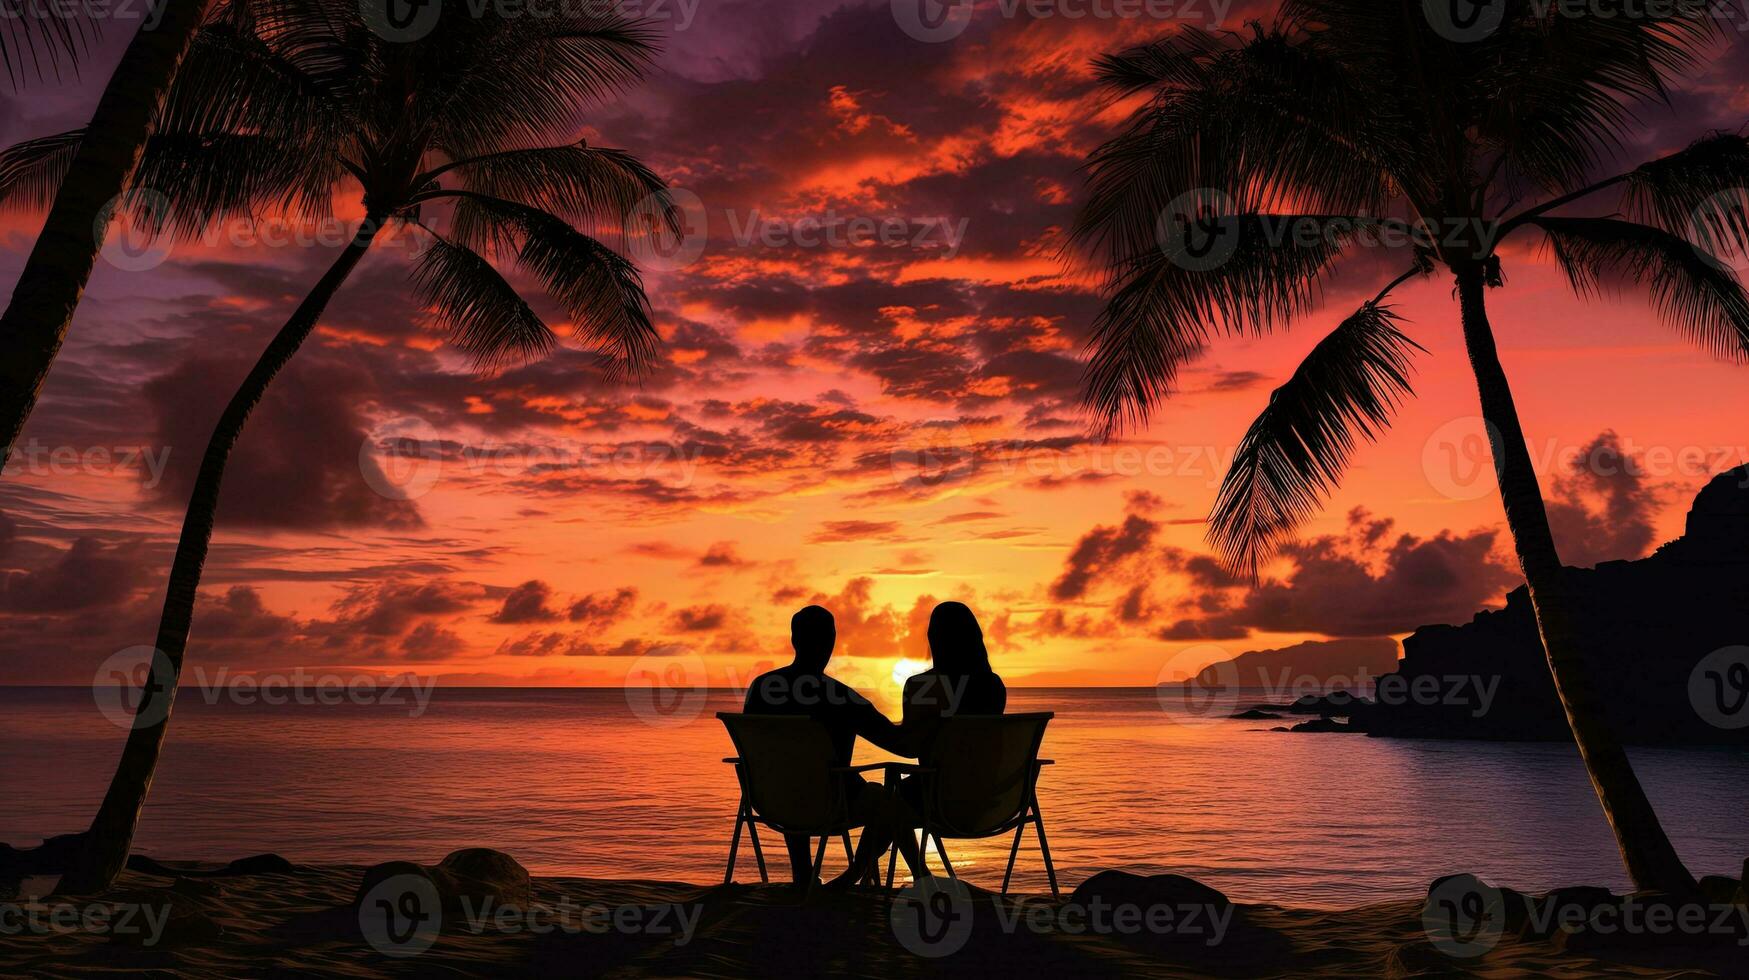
(959, 681)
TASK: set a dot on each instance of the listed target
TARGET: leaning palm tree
(97, 168)
(1257, 162)
(283, 104)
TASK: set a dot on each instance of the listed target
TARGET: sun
(906, 667)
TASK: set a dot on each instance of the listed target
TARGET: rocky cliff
(1646, 624)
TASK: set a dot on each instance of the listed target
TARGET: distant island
(1309, 668)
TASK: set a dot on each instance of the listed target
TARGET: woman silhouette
(958, 682)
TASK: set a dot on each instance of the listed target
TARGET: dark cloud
(1368, 581)
(297, 464)
(239, 614)
(699, 619)
(1372, 581)
(1224, 381)
(88, 575)
(568, 644)
(1100, 551)
(602, 609)
(1621, 526)
(429, 641)
(527, 603)
(833, 531)
(970, 515)
(722, 555)
(918, 368)
(391, 608)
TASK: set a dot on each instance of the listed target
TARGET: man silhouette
(803, 688)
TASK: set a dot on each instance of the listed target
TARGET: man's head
(813, 634)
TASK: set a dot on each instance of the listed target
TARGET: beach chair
(983, 783)
(789, 782)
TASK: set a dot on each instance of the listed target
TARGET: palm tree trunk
(111, 835)
(54, 276)
(1651, 860)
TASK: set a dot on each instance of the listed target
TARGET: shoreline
(477, 913)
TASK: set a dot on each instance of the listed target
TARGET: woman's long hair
(956, 642)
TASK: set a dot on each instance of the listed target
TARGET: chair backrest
(786, 770)
(985, 766)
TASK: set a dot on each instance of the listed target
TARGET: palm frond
(31, 171)
(600, 289)
(585, 185)
(486, 318)
(1543, 91)
(1295, 452)
(1271, 121)
(209, 177)
(512, 79)
(1178, 60)
(1699, 191)
(1690, 286)
(37, 38)
(243, 76)
(1163, 309)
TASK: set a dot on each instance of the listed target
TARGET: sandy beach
(193, 920)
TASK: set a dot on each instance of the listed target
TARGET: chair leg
(734, 846)
(849, 855)
(1013, 852)
(941, 849)
(758, 852)
(1045, 848)
(819, 862)
(892, 859)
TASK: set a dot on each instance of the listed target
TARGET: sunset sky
(876, 418)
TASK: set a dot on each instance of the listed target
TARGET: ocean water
(585, 782)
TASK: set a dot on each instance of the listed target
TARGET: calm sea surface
(576, 782)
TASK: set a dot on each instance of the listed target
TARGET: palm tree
(97, 168)
(1272, 155)
(284, 103)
